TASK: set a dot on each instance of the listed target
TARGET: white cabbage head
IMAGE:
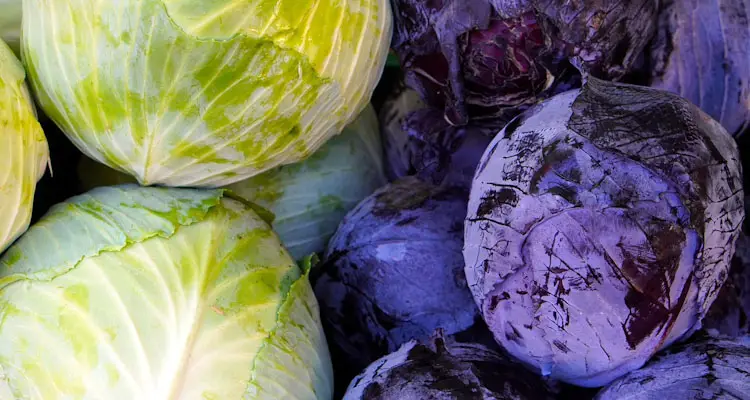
(203, 93)
(151, 293)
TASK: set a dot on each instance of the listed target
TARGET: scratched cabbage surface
(702, 52)
(711, 369)
(601, 226)
(442, 369)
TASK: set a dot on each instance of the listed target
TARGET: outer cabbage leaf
(10, 23)
(149, 293)
(196, 93)
(310, 198)
(710, 369)
(601, 227)
(443, 369)
(23, 149)
(702, 52)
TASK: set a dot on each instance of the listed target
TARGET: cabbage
(601, 227)
(153, 293)
(23, 149)
(394, 272)
(308, 198)
(485, 60)
(10, 23)
(701, 52)
(203, 93)
(444, 369)
(709, 369)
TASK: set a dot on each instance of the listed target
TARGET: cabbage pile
(374, 199)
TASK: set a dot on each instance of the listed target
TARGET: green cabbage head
(10, 23)
(23, 149)
(310, 198)
(153, 293)
(203, 92)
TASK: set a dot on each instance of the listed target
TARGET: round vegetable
(393, 272)
(152, 293)
(701, 52)
(443, 370)
(186, 93)
(713, 369)
(308, 198)
(600, 229)
(10, 23)
(23, 149)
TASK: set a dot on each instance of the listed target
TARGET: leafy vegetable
(310, 198)
(23, 149)
(415, 137)
(393, 272)
(135, 293)
(600, 229)
(186, 93)
(701, 52)
(712, 369)
(440, 369)
(482, 60)
(10, 23)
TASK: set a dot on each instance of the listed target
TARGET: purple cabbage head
(443, 369)
(449, 157)
(600, 228)
(729, 316)
(702, 52)
(394, 272)
(708, 369)
(484, 60)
